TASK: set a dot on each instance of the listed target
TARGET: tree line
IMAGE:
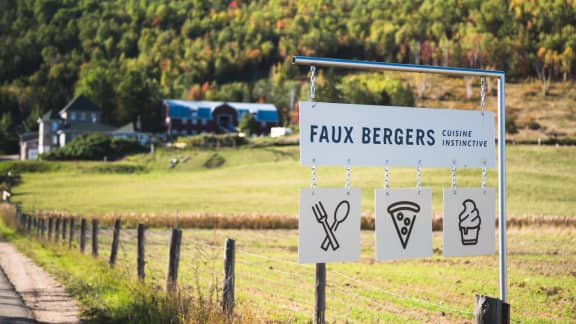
(126, 55)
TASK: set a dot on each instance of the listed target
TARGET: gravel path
(45, 300)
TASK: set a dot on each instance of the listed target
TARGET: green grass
(267, 181)
(107, 295)
(541, 277)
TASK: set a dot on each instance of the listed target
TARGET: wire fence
(262, 280)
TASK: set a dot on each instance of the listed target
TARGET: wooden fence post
(71, 236)
(29, 219)
(173, 260)
(83, 235)
(320, 293)
(95, 238)
(141, 257)
(115, 241)
(229, 277)
(64, 228)
(57, 230)
(491, 310)
(42, 227)
(50, 227)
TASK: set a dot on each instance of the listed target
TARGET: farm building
(195, 117)
(80, 116)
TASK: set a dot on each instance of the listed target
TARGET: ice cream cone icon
(469, 223)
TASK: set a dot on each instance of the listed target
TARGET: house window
(82, 116)
(94, 118)
(72, 116)
(194, 121)
(55, 139)
(54, 126)
(263, 124)
(204, 122)
(184, 121)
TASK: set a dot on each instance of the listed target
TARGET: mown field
(267, 181)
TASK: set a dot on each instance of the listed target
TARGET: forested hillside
(126, 55)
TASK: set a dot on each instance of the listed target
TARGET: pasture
(266, 181)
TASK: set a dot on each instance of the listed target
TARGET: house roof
(80, 103)
(86, 127)
(204, 109)
(49, 115)
(128, 128)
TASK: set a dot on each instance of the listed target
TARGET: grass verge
(108, 295)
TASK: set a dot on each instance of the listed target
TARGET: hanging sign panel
(403, 223)
(332, 134)
(469, 221)
(329, 225)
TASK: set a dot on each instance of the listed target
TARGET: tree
(248, 124)
(138, 97)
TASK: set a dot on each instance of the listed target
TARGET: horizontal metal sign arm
(369, 65)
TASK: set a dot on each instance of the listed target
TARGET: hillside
(127, 55)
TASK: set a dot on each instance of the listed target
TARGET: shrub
(212, 141)
(94, 147)
(534, 125)
(511, 127)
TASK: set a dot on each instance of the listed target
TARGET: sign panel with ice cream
(469, 221)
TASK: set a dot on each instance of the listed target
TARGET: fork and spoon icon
(340, 214)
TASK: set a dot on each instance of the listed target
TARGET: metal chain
(483, 183)
(347, 185)
(312, 82)
(483, 94)
(419, 176)
(313, 176)
(386, 178)
(454, 176)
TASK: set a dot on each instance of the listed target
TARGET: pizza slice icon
(403, 215)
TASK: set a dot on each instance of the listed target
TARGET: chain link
(483, 94)
(419, 176)
(386, 178)
(347, 185)
(453, 173)
(313, 176)
(312, 82)
(483, 183)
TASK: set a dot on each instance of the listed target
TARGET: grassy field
(266, 181)
(270, 283)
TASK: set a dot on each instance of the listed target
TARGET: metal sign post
(499, 75)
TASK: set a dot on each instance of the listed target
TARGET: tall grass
(111, 295)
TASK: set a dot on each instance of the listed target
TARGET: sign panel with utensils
(329, 225)
(469, 221)
(403, 223)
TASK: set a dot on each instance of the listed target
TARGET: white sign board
(469, 221)
(403, 223)
(329, 226)
(333, 134)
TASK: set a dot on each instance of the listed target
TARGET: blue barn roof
(204, 109)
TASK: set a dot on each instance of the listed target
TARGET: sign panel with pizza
(329, 225)
(469, 221)
(403, 223)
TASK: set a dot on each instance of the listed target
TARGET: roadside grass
(260, 182)
(108, 295)
(541, 277)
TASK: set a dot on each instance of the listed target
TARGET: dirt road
(29, 293)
